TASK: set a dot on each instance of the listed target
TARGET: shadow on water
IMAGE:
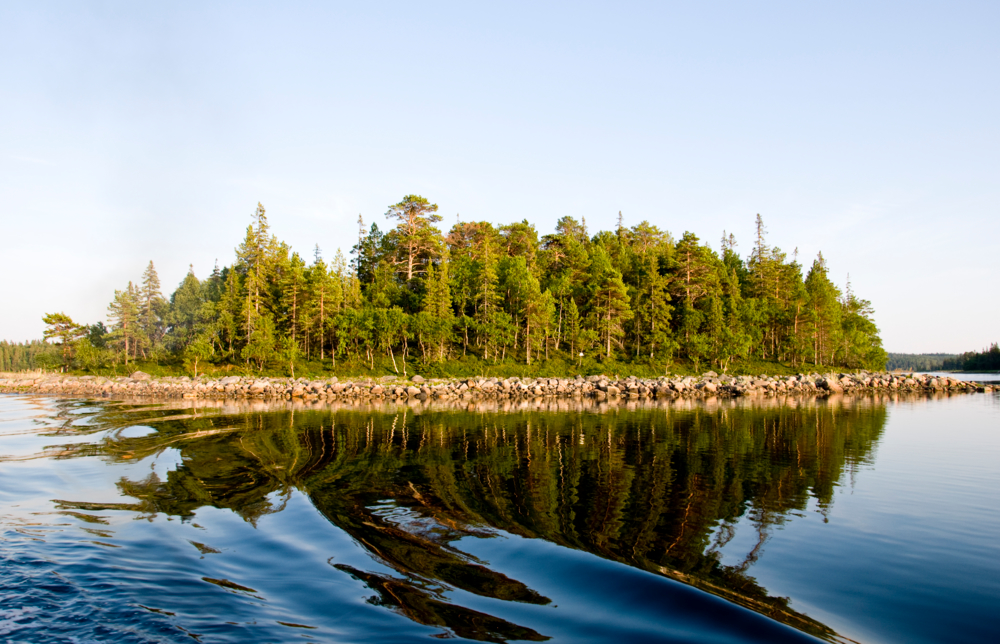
(656, 487)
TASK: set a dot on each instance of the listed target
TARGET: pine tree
(652, 308)
(292, 283)
(609, 303)
(861, 346)
(260, 347)
(369, 252)
(62, 327)
(572, 325)
(437, 305)
(693, 269)
(185, 314)
(153, 305)
(415, 238)
(528, 304)
(487, 300)
(326, 295)
(123, 314)
(254, 257)
(229, 309)
(824, 310)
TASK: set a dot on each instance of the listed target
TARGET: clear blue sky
(869, 131)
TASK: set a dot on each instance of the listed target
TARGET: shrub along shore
(708, 385)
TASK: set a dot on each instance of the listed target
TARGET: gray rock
(829, 384)
(140, 375)
(417, 378)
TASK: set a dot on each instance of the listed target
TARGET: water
(871, 519)
(970, 376)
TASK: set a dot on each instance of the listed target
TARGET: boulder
(830, 385)
(140, 375)
(417, 378)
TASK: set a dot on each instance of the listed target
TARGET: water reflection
(657, 486)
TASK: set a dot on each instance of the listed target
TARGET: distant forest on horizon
(485, 293)
(918, 361)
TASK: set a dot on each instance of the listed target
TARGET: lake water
(873, 519)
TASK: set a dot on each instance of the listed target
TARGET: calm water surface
(872, 519)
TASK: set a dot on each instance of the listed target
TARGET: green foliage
(497, 297)
(919, 361)
(986, 360)
(123, 314)
(28, 356)
(61, 327)
(198, 351)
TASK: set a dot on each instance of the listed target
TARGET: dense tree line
(25, 356)
(986, 360)
(918, 361)
(499, 293)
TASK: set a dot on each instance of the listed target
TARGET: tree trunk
(609, 330)
(527, 341)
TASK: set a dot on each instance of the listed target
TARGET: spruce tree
(437, 306)
(123, 314)
(824, 311)
(609, 301)
(185, 314)
(153, 305)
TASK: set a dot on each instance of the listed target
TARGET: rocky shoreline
(141, 385)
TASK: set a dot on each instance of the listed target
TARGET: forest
(483, 298)
(24, 356)
(918, 361)
(985, 360)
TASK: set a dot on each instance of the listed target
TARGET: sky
(868, 131)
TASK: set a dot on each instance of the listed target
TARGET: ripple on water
(143, 523)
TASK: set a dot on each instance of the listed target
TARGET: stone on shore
(598, 387)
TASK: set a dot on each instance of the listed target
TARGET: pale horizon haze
(869, 131)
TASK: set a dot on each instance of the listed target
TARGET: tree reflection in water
(656, 486)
